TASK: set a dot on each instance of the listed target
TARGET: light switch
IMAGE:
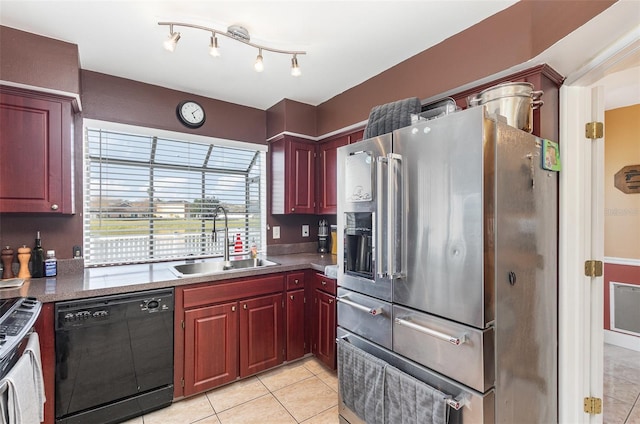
(276, 232)
(305, 231)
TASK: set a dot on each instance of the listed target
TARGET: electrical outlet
(305, 231)
(276, 232)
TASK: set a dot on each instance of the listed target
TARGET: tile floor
(301, 392)
(621, 385)
(307, 392)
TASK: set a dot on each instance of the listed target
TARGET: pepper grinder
(24, 256)
(7, 261)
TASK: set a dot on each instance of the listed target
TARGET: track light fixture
(234, 32)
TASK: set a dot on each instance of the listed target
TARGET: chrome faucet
(227, 263)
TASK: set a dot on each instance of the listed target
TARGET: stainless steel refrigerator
(448, 264)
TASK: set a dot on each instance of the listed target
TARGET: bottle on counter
(37, 259)
(51, 264)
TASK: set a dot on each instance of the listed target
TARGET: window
(152, 198)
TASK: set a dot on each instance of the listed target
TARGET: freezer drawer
(366, 316)
(472, 408)
(465, 354)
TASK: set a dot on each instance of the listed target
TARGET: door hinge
(593, 405)
(283, 304)
(593, 268)
(182, 382)
(594, 130)
(182, 324)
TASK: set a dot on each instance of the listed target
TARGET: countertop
(109, 280)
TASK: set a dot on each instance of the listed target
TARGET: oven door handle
(372, 311)
(454, 340)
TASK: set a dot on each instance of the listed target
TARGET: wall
(508, 38)
(622, 211)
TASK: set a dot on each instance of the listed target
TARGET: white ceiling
(347, 42)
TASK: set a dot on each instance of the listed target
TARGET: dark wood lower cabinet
(295, 340)
(325, 334)
(261, 324)
(211, 347)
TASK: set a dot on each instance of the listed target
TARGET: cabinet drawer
(366, 316)
(433, 342)
(225, 291)
(295, 280)
(324, 283)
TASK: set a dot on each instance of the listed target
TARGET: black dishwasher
(114, 357)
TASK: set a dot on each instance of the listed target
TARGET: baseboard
(622, 340)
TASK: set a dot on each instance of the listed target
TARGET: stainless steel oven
(21, 382)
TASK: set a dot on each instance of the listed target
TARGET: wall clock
(190, 114)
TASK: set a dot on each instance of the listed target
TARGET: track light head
(259, 65)
(171, 42)
(213, 47)
(295, 68)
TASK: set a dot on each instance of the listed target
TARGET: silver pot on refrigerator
(513, 100)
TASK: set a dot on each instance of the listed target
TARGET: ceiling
(347, 42)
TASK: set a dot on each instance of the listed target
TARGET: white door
(581, 298)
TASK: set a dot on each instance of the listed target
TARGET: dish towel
(388, 117)
(33, 350)
(408, 400)
(361, 382)
(21, 388)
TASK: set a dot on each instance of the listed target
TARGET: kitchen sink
(217, 266)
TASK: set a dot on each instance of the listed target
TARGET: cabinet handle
(54, 207)
(330, 301)
(293, 209)
(233, 309)
(291, 297)
(244, 306)
(296, 281)
(324, 283)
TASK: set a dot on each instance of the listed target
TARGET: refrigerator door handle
(456, 341)
(394, 217)
(372, 311)
(389, 219)
(382, 267)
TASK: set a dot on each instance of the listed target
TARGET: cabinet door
(325, 335)
(261, 334)
(327, 187)
(295, 305)
(35, 147)
(301, 190)
(211, 347)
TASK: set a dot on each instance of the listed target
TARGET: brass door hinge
(593, 405)
(593, 268)
(182, 382)
(594, 130)
(182, 324)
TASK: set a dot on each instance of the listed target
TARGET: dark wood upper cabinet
(326, 194)
(292, 176)
(36, 136)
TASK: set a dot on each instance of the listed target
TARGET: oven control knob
(100, 314)
(69, 317)
(153, 304)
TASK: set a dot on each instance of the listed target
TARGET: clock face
(191, 114)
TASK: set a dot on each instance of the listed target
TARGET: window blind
(149, 198)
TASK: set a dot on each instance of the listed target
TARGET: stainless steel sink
(217, 266)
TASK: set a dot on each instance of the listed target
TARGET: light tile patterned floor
(307, 392)
(301, 392)
(621, 385)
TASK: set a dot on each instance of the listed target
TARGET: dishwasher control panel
(99, 310)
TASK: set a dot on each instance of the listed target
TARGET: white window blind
(149, 198)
